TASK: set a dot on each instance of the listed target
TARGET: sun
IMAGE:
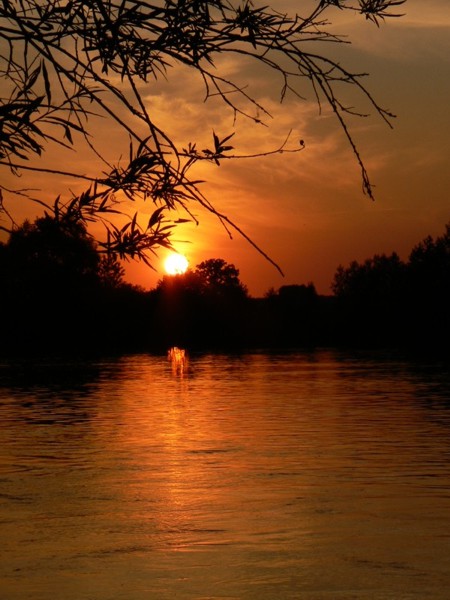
(176, 264)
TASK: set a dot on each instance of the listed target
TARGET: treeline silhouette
(59, 295)
(387, 302)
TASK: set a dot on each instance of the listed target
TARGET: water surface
(314, 476)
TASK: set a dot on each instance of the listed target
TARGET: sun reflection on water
(179, 359)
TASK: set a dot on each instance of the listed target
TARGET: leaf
(155, 217)
(31, 80)
(226, 139)
(65, 123)
(48, 90)
(67, 134)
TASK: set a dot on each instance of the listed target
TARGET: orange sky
(307, 210)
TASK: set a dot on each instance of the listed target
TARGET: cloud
(422, 33)
(433, 13)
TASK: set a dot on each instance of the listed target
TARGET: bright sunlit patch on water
(178, 358)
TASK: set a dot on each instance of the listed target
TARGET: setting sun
(176, 264)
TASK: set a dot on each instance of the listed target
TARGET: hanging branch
(64, 64)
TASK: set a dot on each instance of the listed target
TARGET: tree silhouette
(66, 64)
(371, 297)
(47, 254)
(110, 271)
(429, 289)
(204, 307)
(376, 280)
(430, 260)
(385, 300)
(219, 278)
(286, 317)
(49, 276)
(58, 292)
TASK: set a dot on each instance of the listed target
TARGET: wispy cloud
(420, 33)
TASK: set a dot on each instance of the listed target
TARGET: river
(305, 475)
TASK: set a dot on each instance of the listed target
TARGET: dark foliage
(205, 307)
(385, 301)
(59, 295)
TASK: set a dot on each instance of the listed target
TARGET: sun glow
(176, 264)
